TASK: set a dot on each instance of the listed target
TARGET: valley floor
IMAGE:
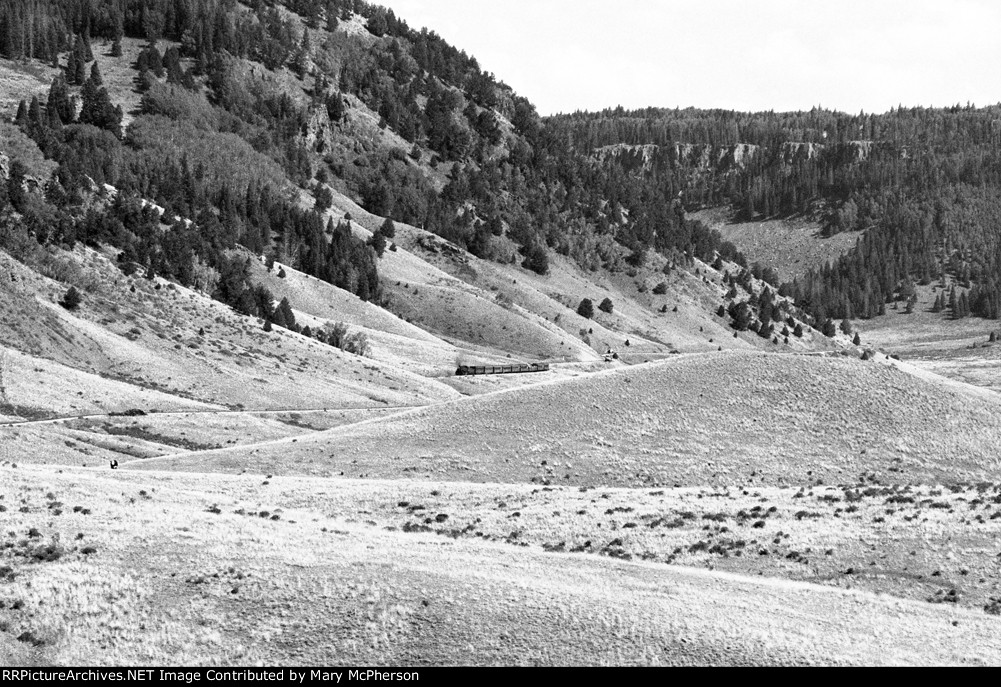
(166, 569)
(224, 563)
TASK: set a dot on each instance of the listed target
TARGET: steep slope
(160, 335)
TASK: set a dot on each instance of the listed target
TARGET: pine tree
(857, 341)
(586, 308)
(287, 315)
(607, 306)
(97, 109)
(377, 23)
(536, 259)
(88, 54)
(388, 229)
(378, 243)
(21, 119)
(95, 75)
(35, 121)
(59, 99)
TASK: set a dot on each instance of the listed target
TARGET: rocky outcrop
(697, 157)
(30, 184)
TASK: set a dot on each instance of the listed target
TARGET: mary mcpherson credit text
(290, 675)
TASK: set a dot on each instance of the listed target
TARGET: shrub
(71, 301)
(660, 289)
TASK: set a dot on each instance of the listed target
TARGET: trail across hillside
(181, 413)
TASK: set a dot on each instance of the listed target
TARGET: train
(470, 370)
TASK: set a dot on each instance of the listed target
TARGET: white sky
(781, 55)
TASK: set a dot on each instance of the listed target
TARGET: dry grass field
(726, 419)
(160, 568)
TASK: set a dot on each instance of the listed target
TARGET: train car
(472, 370)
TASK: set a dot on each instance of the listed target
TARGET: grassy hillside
(791, 246)
(711, 419)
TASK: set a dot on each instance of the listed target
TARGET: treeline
(920, 183)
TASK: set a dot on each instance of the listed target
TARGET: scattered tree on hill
(95, 75)
(586, 308)
(388, 229)
(336, 335)
(324, 198)
(846, 326)
(71, 300)
(284, 311)
(97, 108)
(829, 329)
(59, 100)
(607, 306)
(660, 289)
(536, 259)
(378, 243)
(742, 316)
(939, 303)
(857, 341)
(798, 331)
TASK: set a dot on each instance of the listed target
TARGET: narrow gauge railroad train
(469, 370)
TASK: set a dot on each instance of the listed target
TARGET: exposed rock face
(794, 151)
(695, 157)
(703, 158)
